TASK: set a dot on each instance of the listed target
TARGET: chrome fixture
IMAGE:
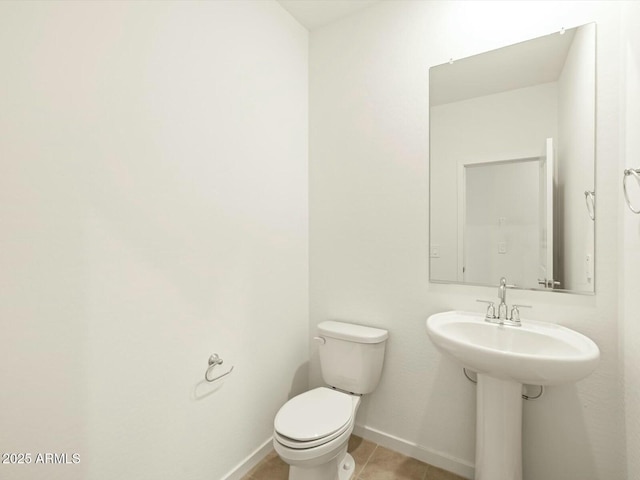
(590, 199)
(502, 295)
(524, 387)
(628, 172)
(214, 361)
(503, 316)
(548, 283)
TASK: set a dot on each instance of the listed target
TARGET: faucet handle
(491, 308)
(515, 313)
(548, 283)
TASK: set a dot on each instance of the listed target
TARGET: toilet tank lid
(352, 332)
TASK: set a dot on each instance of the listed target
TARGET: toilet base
(341, 467)
(346, 467)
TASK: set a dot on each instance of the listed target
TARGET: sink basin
(535, 353)
(505, 357)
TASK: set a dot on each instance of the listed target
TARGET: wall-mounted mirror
(512, 165)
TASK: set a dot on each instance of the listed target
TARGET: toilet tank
(351, 355)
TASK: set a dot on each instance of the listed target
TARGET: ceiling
(524, 64)
(316, 13)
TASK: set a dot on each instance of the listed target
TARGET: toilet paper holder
(214, 361)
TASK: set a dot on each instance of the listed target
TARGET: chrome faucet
(501, 316)
(502, 295)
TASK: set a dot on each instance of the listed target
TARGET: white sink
(506, 357)
(534, 353)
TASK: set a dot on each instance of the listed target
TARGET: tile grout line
(367, 461)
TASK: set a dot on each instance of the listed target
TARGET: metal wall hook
(636, 173)
(590, 199)
(214, 361)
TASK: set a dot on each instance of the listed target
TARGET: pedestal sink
(506, 357)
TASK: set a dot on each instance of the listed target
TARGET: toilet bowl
(311, 431)
(311, 434)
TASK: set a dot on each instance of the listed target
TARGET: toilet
(312, 430)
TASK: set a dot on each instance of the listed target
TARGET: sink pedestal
(533, 353)
(498, 429)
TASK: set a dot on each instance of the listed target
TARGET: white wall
(368, 231)
(630, 233)
(576, 110)
(154, 211)
(504, 126)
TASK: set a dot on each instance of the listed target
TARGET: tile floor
(373, 462)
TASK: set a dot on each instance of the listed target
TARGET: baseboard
(424, 454)
(251, 461)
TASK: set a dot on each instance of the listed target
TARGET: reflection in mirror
(512, 157)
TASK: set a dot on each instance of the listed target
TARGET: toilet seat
(313, 418)
(298, 445)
